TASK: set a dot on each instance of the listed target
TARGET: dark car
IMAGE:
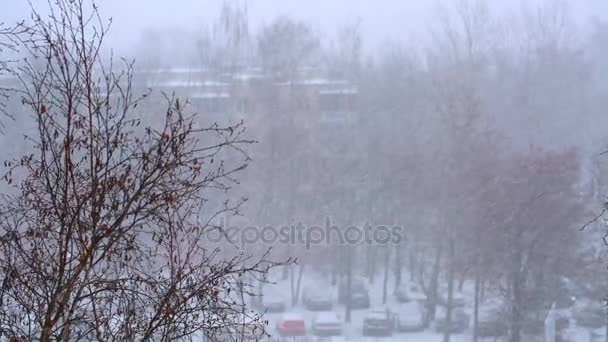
(591, 316)
(492, 321)
(402, 293)
(534, 326)
(359, 298)
(458, 300)
(459, 322)
(406, 293)
(271, 304)
(380, 322)
(315, 299)
(491, 328)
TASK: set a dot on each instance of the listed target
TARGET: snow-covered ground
(353, 330)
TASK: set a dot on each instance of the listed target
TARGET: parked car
(283, 339)
(359, 298)
(564, 294)
(291, 325)
(562, 323)
(407, 292)
(411, 317)
(417, 295)
(330, 339)
(491, 323)
(565, 300)
(592, 315)
(315, 299)
(402, 293)
(459, 322)
(533, 326)
(327, 324)
(244, 328)
(379, 322)
(272, 303)
(458, 299)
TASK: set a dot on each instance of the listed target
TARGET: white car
(379, 322)
(327, 324)
(411, 317)
(273, 303)
(458, 299)
(331, 339)
(317, 299)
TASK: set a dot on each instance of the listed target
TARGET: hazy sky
(381, 19)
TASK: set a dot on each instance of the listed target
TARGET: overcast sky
(381, 19)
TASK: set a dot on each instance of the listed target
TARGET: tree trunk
(372, 263)
(476, 290)
(606, 330)
(413, 264)
(299, 284)
(448, 314)
(335, 269)
(432, 296)
(292, 285)
(260, 288)
(348, 283)
(516, 299)
(398, 265)
(476, 302)
(368, 261)
(387, 259)
(463, 278)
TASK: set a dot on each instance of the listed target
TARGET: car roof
(327, 315)
(408, 307)
(376, 314)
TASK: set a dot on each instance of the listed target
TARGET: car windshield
(377, 315)
(327, 317)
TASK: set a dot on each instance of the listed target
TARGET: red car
(291, 325)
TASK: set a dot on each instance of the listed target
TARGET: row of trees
(478, 141)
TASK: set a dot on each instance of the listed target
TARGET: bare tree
(104, 233)
(533, 206)
(285, 46)
(10, 37)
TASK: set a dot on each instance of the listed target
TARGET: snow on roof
(376, 315)
(344, 91)
(247, 77)
(314, 81)
(415, 295)
(408, 309)
(190, 84)
(211, 95)
(174, 70)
